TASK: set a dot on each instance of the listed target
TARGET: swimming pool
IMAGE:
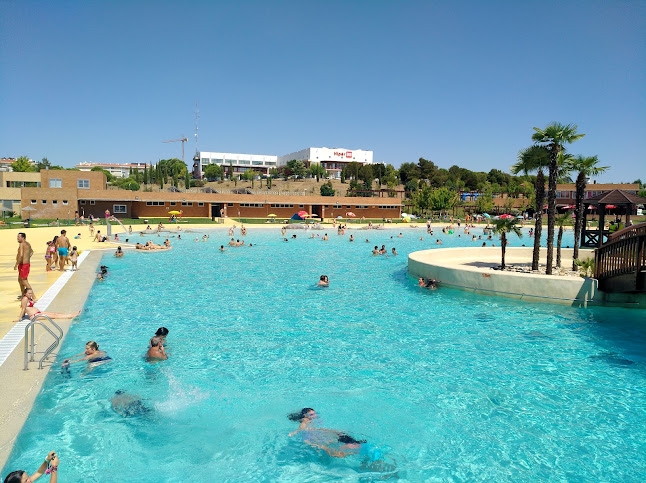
(458, 385)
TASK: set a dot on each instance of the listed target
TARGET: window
(229, 204)
(389, 207)
(83, 183)
(252, 205)
(154, 203)
(244, 161)
(230, 161)
(65, 203)
(55, 183)
(361, 207)
(187, 203)
(205, 160)
(82, 202)
(44, 202)
(219, 161)
(200, 204)
(119, 209)
(172, 203)
(33, 202)
(257, 163)
(303, 206)
(281, 205)
(92, 202)
(54, 202)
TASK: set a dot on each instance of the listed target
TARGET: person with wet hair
(324, 281)
(92, 355)
(48, 467)
(156, 351)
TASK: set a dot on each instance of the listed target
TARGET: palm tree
(504, 226)
(554, 137)
(535, 158)
(586, 166)
(560, 221)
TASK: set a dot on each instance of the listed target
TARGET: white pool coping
(12, 339)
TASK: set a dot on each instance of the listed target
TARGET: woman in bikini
(27, 308)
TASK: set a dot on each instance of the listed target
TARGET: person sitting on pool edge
(27, 308)
(324, 281)
(156, 351)
(49, 466)
(92, 355)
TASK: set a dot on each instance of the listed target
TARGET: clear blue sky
(456, 82)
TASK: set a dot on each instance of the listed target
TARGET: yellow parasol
(272, 216)
(174, 212)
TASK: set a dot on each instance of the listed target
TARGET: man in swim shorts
(63, 246)
(23, 259)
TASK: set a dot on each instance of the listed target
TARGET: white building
(333, 160)
(118, 170)
(239, 162)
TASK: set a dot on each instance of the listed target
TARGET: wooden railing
(622, 255)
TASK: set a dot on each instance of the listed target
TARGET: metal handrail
(53, 345)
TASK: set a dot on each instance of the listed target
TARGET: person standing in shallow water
(156, 351)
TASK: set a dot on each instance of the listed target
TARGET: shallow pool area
(450, 385)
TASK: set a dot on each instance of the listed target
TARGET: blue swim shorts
(62, 251)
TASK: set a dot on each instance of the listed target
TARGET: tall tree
(560, 221)
(503, 226)
(535, 158)
(586, 166)
(187, 180)
(554, 137)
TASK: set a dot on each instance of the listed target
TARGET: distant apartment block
(118, 170)
(332, 159)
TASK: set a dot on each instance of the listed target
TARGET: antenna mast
(197, 168)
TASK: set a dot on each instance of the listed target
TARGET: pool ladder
(31, 325)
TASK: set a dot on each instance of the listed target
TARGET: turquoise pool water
(451, 385)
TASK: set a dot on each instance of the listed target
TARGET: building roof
(125, 195)
(616, 197)
(598, 186)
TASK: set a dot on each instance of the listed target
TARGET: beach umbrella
(610, 207)
(486, 215)
(350, 214)
(174, 212)
(339, 217)
(303, 214)
(506, 216)
(272, 216)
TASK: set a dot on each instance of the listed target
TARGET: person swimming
(323, 281)
(337, 444)
(92, 355)
(128, 405)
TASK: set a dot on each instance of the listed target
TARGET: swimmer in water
(324, 281)
(92, 355)
(128, 405)
(156, 351)
(335, 443)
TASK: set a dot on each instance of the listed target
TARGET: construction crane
(182, 140)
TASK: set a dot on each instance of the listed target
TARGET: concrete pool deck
(473, 269)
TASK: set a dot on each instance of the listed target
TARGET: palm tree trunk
(579, 212)
(558, 247)
(551, 208)
(539, 187)
(503, 242)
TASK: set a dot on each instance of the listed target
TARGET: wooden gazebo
(594, 238)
